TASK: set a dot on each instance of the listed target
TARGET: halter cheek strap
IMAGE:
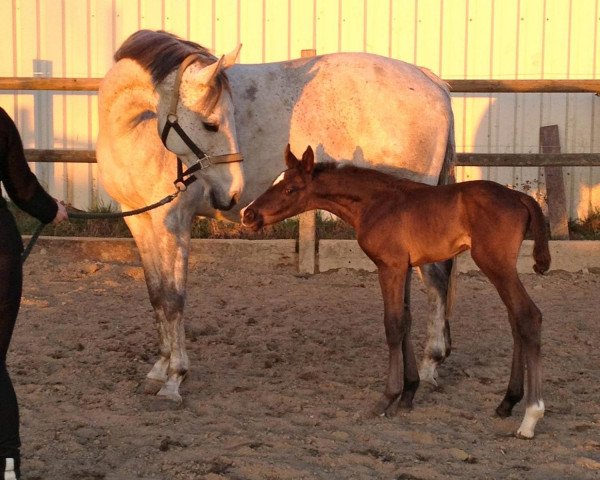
(185, 178)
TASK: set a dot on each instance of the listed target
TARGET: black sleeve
(19, 181)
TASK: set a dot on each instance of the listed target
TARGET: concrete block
(571, 256)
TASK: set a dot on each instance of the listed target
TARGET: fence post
(42, 120)
(555, 187)
(307, 231)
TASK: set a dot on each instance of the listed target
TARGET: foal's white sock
(9, 470)
(533, 413)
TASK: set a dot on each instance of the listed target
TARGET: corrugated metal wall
(495, 39)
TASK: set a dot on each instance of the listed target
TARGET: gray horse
(350, 107)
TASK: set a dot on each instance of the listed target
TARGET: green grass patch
(201, 227)
(327, 227)
(586, 229)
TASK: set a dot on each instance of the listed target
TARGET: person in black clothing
(25, 191)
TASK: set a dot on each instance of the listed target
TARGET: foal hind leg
(526, 324)
(529, 328)
(438, 279)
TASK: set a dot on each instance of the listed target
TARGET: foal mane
(161, 52)
(369, 175)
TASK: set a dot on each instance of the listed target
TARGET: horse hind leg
(438, 279)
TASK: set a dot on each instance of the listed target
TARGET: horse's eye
(289, 190)
(211, 127)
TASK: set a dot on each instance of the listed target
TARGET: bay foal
(401, 224)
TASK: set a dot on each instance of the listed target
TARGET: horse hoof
(152, 386)
(428, 374)
(158, 404)
(169, 394)
(524, 435)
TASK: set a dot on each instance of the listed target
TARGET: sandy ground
(285, 370)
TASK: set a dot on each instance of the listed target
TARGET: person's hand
(61, 213)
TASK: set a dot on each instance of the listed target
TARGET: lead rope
(91, 215)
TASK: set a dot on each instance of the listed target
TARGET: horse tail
(537, 224)
(447, 171)
(447, 177)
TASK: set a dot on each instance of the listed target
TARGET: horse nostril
(249, 215)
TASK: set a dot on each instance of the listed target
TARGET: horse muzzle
(217, 205)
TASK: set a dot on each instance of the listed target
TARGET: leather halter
(184, 178)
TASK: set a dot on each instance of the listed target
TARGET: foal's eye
(211, 127)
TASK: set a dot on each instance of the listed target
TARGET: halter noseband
(184, 178)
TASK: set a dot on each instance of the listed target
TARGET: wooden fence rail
(463, 159)
(549, 158)
(456, 86)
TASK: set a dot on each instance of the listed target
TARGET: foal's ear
(290, 159)
(308, 160)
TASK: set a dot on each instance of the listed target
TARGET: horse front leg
(439, 280)
(164, 254)
(143, 233)
(173, 247)
(397, 322)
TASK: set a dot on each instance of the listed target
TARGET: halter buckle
(204, 162)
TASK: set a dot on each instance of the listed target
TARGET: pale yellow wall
(499, 39)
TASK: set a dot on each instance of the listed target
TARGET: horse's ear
(207, 75)
(308, 160)
(230, 58)
(290, 159)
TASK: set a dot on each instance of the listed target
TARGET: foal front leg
(397, 321)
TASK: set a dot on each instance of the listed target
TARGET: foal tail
(541, 253)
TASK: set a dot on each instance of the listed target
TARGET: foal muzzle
(251, 218)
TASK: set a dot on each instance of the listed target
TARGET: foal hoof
(152, 386)
(504, 410)
(385, 407)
